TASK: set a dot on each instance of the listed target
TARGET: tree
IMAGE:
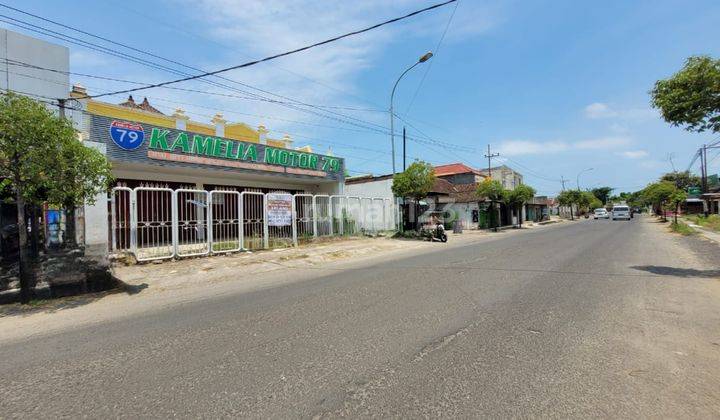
(42, 160)
(586, 201)
(568, 198)
(518, 196)
(602, 194)
(676, 199)
(691, 97)
(493, 191)
(415, 183)
(659, 194)
(682, 180)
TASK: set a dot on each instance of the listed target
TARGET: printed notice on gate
(279, 209)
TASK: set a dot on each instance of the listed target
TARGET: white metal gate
(157, 223)
(304, 217)
(121, 225)
(225, 221)
(353, 216)
(281, 230)
(254, 227)
(191, 227)
(153, 212)
(338, 208)
(322, 215)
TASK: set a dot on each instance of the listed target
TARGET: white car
(621, 213)
(601, 214)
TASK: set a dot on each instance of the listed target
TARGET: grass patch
(711, 222)
(681, 228)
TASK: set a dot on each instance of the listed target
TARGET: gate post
(133, 222)
(174, 221)
(294, 222)
(314, 215)
(266, 232)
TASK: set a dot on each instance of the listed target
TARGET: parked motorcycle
(437, 234)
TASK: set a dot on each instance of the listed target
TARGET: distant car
(601, 214)
(621, 213)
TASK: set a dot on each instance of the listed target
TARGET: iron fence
(159, 223)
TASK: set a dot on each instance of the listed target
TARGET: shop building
(173, 174)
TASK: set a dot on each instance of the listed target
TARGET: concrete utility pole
(563, 181)
(489, 157)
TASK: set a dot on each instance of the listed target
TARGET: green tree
(676, 199)
(42, 161)
(682, 180)
(658, 194)
(569, 198)
(414, 183)
(493, 191)
(691, 97)
(517, 197)
(602, 193)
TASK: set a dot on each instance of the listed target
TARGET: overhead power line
(286, 53)
(320, 110)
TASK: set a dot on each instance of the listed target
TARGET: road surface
(591, 318)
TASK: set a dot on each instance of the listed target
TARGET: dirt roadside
(157, 286)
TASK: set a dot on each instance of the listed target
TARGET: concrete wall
(36, 52)
(95, 218)
(380, 188)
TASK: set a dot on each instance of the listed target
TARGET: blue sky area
(554, 86)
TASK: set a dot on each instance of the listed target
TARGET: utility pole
(703, 169)
(562, 181)
(489, 157)
(61, 107)
(404, 149)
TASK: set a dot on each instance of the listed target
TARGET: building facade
(508, 177)
(159, 153)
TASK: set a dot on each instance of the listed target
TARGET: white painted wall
(36, 52)
(380, 188)
(96, 217)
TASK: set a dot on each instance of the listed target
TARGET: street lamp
(422, 59)
(577, 180)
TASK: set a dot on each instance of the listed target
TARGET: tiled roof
(144, 105)
(442, 186)
(454, 168)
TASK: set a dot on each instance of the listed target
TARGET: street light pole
(422, 59)
(577, 180)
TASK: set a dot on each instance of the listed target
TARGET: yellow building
(149, 149)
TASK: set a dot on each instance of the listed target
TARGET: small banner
(279, 209)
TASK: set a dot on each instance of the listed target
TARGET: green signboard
(199, 145)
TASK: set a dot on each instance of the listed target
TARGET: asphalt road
(588, 319)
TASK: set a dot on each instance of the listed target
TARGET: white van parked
(621, 213)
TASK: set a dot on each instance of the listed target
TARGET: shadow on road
(677, 272)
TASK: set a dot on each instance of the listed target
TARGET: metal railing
(160, 223)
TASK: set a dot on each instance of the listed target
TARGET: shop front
(183, 188)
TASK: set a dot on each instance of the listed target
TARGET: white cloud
(598, 110)
(526, 147)
(601, 143)
(530, 147)
(633, 154)
(257, 28)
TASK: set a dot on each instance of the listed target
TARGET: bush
(710, 222)
(681, 228)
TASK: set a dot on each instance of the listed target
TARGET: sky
(555, 87)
